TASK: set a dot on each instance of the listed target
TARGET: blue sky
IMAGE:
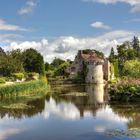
(58, 28)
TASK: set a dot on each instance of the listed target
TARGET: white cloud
(135, 4)
(4, 134)
(67, 47)
(63, 110)
(68, 111)
(135, 8)
(28, 8)
(9, 27)
(100, 25)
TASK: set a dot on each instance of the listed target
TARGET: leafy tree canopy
(33, 61)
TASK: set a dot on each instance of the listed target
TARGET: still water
(64, 116)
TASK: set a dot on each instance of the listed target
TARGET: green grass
(32, 87)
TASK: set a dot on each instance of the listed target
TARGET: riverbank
(127, 90)
(32, 87)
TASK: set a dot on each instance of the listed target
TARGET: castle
(98, 67)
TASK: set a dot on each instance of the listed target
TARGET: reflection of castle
(98, 67)
(97, 97)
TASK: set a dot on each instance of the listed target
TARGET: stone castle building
(98, 67)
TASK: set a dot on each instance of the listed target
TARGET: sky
(59, 28)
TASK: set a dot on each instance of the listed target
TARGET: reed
(31, 87)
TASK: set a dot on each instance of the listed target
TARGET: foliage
(57, 67)
(87, 51)
(124, 92)
(132, 68)
(125, 52)
(18, 76)
(33, 61)
(47, 66)
(136, 45)
(61, 69)
(24, 88)
(112, 55)
(57, 62)
(2, 80)
(11, 62)
(2, 52)
(50, 73)
(116, 68)
(31, 74)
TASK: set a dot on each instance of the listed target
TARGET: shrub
(18, 76)
(132, 68)
(32, 76)
(2, 80)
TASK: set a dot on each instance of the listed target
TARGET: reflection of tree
(37, 107)
(132, 112)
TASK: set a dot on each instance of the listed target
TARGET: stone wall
(95, 73)
(107, 69)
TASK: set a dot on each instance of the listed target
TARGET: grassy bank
(31, 87)
(125, 90)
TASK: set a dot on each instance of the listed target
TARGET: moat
(70, 112)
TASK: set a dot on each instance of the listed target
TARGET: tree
(47, 66)
(61, 69)
(2, 52)
(17, 58)
(33, 61)
(132, 68)
(57, 62)
(112, 55)
(122, 55)
(11, 62)
(136, 45)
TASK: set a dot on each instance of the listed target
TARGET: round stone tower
(95, 72)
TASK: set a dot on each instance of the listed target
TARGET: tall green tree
(112, 55)
(11, 62)
(33, 61)
(136, 45)
(47, 66)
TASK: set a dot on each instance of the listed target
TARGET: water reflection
(67, 117)
(96, 99)
(38, 106)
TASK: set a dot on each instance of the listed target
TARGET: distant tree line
(16, 61)
(57, 67)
